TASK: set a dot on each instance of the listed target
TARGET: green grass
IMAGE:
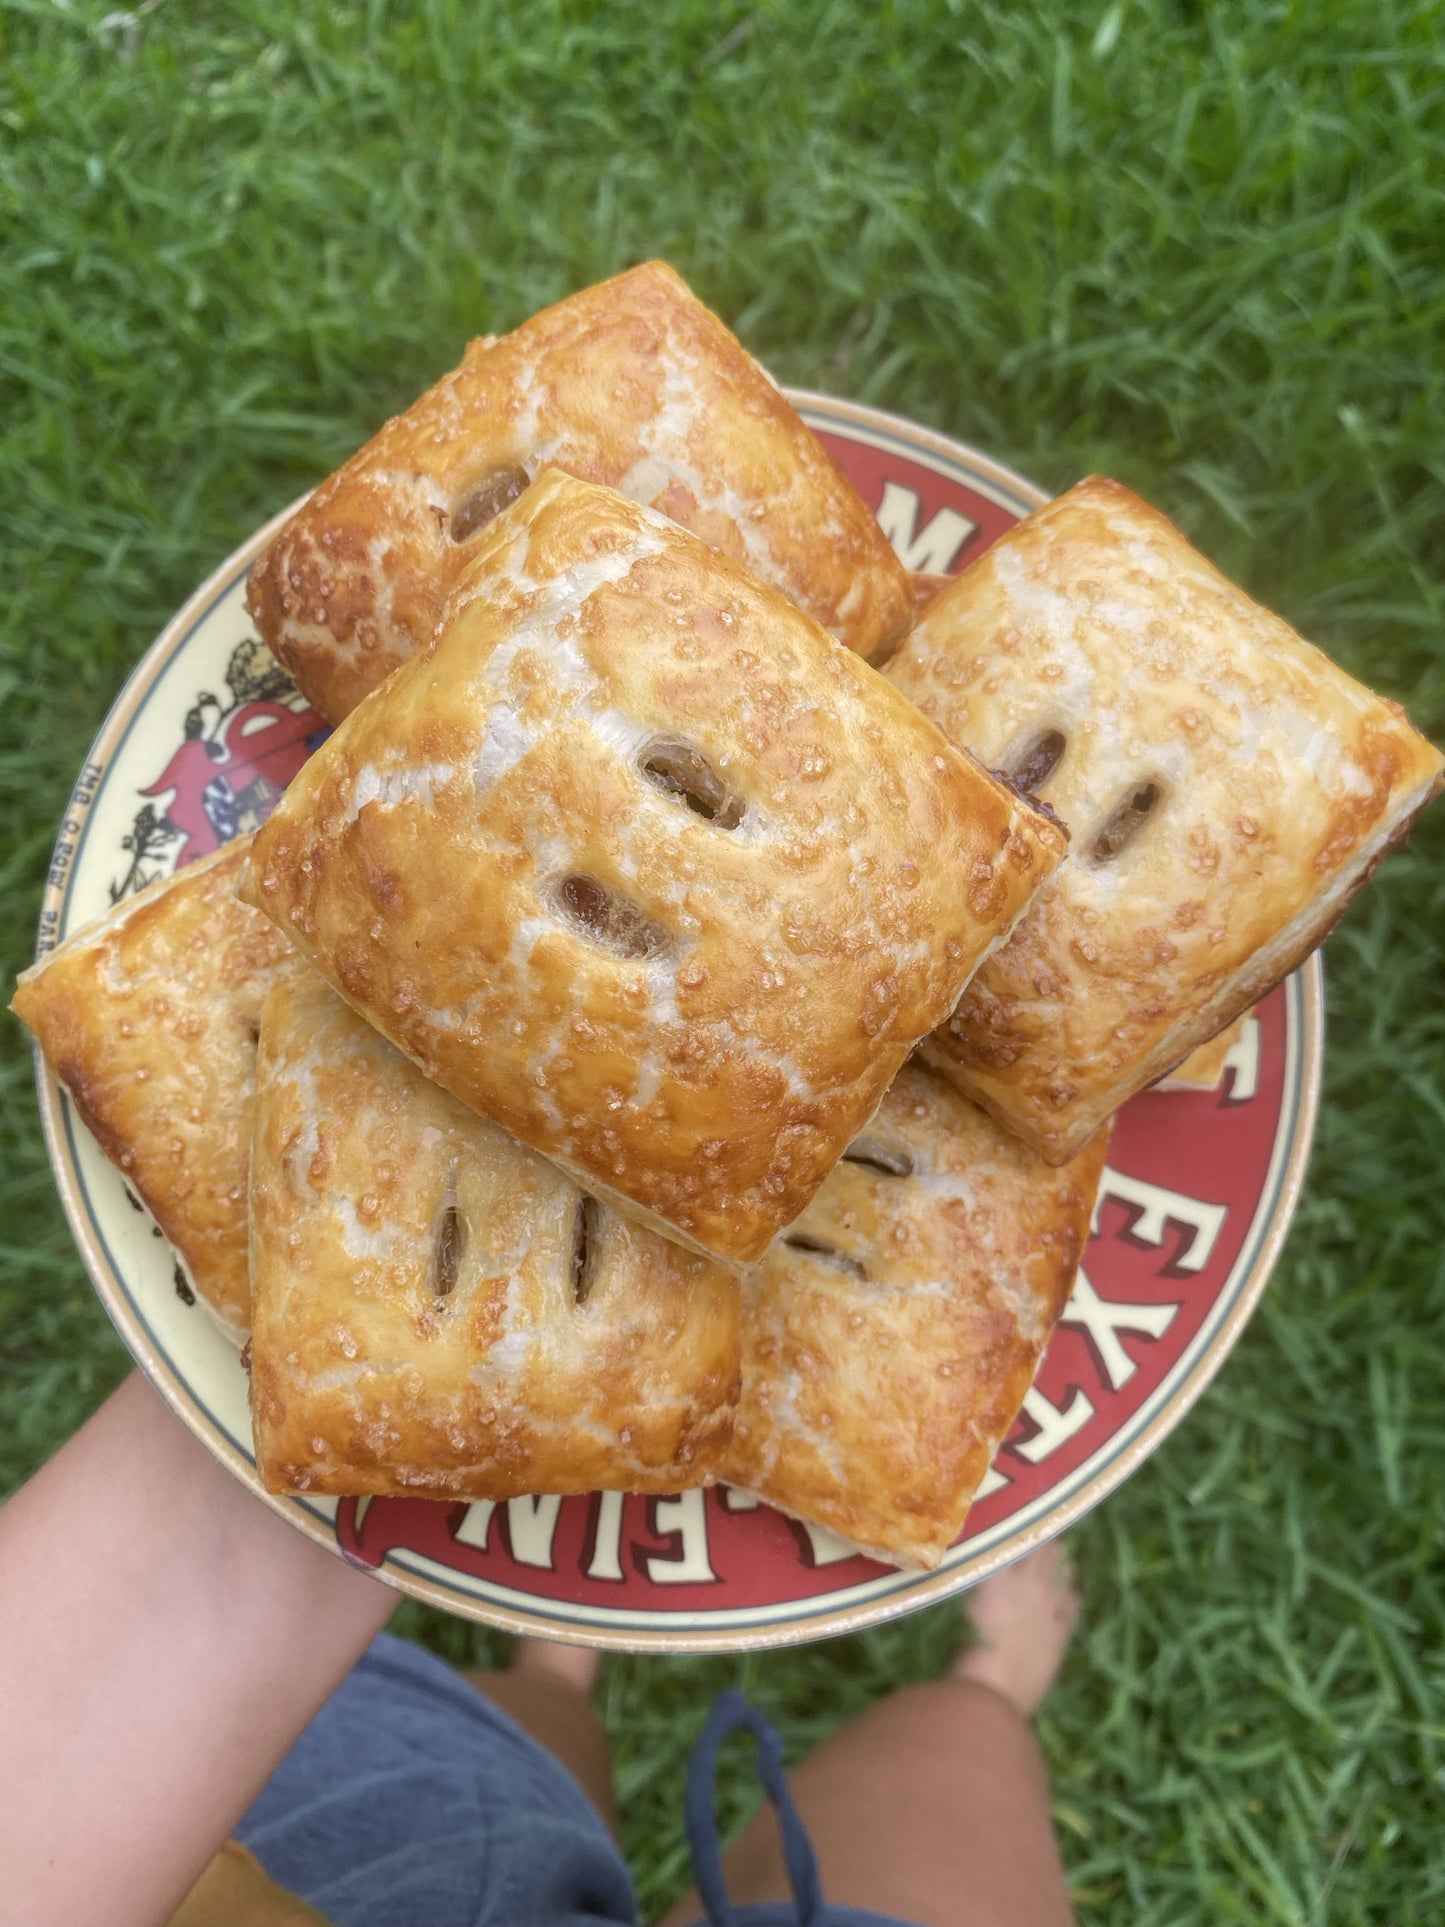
(1198, 246)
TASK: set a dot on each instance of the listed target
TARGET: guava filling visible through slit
(887, 1158)
(828, 1254)
(608, 919)
(451, 1244)
(484, 502)
(1125, 822)
(585, 1232)
(682, 770)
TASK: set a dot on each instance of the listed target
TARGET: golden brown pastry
(148, 1018)
(439, 1311)
(1228, 789)
(639, 864)
(890, 1335)
(632, 383)
(1203, 1068)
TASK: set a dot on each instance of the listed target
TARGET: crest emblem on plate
(236, 755)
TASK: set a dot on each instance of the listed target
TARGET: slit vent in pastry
(893, 1160)
(149, 1018)
(682, 770)
(1037, 761)
(484, 502)
(439, 1311)
(638, 863)
(632, 383)
(1227, 789)
(828, 1255)
(451, 1242)
(890, 1336)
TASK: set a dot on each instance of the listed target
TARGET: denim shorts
(412, 1801)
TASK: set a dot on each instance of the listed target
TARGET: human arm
(164, 1637)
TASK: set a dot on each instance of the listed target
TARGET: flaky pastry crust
(148, 1017)
(439, 1311)
(632, 383)
(1203, 1068)
(640, 864)
(890, 1335)
(1226, 786)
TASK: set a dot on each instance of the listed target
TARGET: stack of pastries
(649, 1044)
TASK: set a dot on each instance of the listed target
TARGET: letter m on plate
(932, 549)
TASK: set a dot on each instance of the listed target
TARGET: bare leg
(934, 1804)
(547, 1690)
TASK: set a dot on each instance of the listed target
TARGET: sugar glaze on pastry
(639, 863)
(439, 1311)
(890, 1335)
(633, 383)
(148, 1017)
(1226, 786)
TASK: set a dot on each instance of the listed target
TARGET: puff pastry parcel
(439, 1311)
(148, 1018)
(633, 383)
(890, 1335)
(638, 863)
(1227, 787)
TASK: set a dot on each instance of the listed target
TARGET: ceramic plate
(1194, 1207)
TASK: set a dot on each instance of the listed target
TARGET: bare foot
(573, 1665)
(1023, 1617)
